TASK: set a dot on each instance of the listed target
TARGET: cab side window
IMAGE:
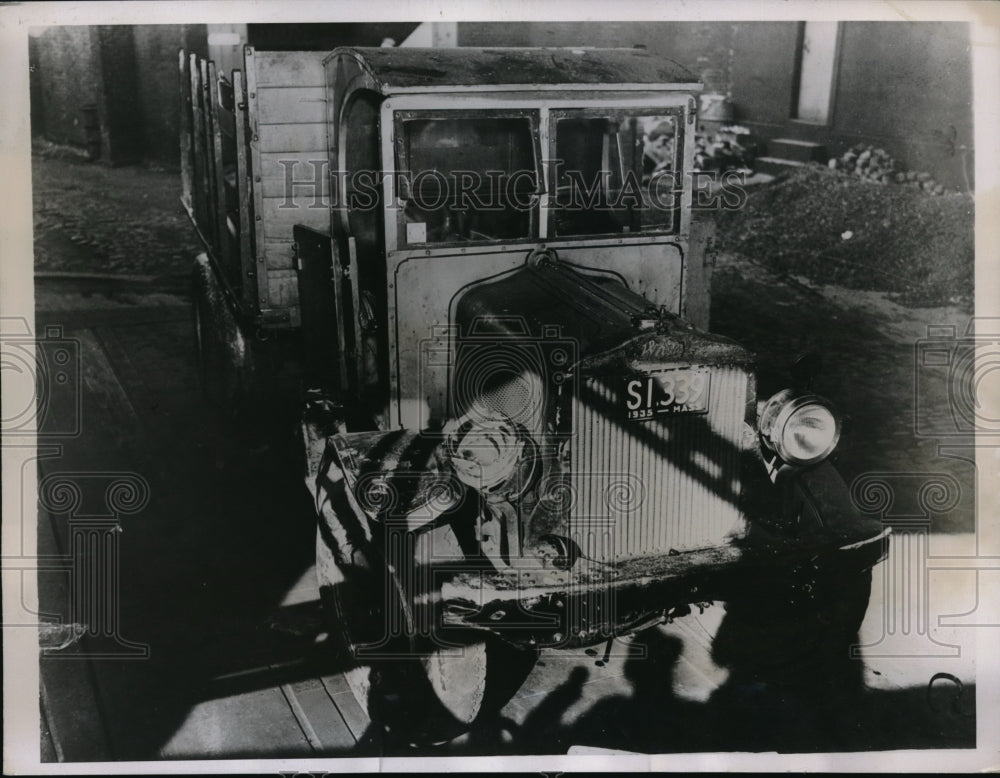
(468, 179)
(615, 172)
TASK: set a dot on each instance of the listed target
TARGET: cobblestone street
(91, 218)
(868, 344)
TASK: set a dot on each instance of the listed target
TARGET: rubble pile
(832, 228)
(873, 164)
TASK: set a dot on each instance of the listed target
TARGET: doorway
(817, 63)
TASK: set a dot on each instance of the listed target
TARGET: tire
(208, 356)
(418, 692)
(235, 369)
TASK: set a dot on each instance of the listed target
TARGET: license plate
(666, 393)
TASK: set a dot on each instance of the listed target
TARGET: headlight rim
(519, 449)
(779, 409)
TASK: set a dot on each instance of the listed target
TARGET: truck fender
(820, 498)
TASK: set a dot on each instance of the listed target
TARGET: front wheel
(419, 686)
(435, 697)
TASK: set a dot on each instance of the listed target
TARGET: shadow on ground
(829, 713)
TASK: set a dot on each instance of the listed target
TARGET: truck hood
(610, 327)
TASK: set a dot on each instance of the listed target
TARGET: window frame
(617, 114)
(401, 169)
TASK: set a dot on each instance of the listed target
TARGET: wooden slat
(339, 313)
(198, 140)
(250, 69)
(223, 240)
(278, 255)
(275, 187)
(211, 220)
(279, 220)
(225, 117)
(308, 170)
(287, 88)
(340, 692)
(359, 360)
(292, 105)
(319, 717)
(244, 185)
(285, 68)
(283, 289)
(301, 164)
(187, 150)
(293, 137)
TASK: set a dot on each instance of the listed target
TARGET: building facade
(824, 87)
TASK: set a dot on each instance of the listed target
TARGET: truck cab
(450, 167)
(518, 431)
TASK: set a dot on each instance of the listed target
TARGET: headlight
(485, 449)
(802, 429)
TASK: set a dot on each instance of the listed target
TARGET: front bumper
(535, 605)
(802, 531)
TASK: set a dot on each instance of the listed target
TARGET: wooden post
(244, 185)
(338, 307)
(352, 258)
(200, 180)
(187, 151)
(223, 243)
(210, 227)
(698, 263)
(250, 70)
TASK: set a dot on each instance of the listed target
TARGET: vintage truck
(483, 269)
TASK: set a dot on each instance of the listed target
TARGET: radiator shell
(671, 483)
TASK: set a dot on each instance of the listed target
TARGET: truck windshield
(615, 172)
(467, 179)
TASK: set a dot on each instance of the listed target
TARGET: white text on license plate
(667, 392)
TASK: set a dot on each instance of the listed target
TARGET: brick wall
(905, 87)
(128, 73)
(64, 79)
(156, 48)
(702, 47)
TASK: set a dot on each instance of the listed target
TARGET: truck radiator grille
(648, 487)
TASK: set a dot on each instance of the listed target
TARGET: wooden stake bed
(253, 165)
